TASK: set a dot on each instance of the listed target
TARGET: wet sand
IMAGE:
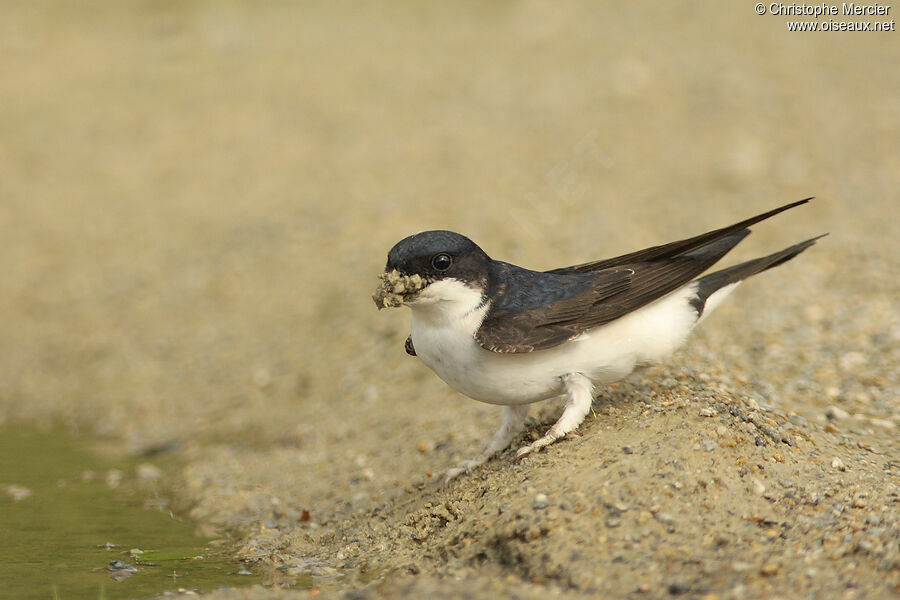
(197, 201)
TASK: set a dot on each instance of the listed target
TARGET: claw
(452, 474)
(522, 453)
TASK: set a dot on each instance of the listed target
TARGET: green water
(53, 540)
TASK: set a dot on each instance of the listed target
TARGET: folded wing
(542, 310)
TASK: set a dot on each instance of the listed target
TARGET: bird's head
(431, 267)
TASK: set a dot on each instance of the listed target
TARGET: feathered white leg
(513, 423)
(580, 393)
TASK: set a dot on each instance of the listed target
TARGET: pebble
(118, 565)
(113, 478)
(758, 488)
(836, 413)
(798, 420)
(540, 501)
(17, 492)
(665, 518)
(148, 472)
(679, 587)
(627, 449)
(851, 360)
(708, 412)
(769, 569)
(261, 377)
(708, 445)
(837, 463)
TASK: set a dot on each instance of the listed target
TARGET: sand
(196, 199)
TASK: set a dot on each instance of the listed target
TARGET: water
(54, 538)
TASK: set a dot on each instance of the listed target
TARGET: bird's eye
(441, 262)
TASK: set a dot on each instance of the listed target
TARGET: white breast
(448, 313)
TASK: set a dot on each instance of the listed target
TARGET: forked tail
(709, 284)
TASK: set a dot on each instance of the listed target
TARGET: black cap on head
(438, 254)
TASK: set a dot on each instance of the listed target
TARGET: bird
(511, 336)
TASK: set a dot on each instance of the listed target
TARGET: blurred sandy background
(195, 198)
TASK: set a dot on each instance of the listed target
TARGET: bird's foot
(580, 393)
(513, 422)
(465, 467)
(537, 445)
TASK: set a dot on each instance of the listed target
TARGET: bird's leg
(580, 393)
(513, 423)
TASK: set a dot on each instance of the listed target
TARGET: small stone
(837, 463)
(758, 488)
(118, 565)
(798, 420)
(830, 428)
(613, 522)
(769, 569)
(627, 449)
(883, 423)
(643, 588)
(759, 440)
(665, 518)
(17, 492)
(835, 413)
(707, 412)
(368, 474)
(540, 501)
(679, 587)
(113, 478)
(148, 472)
(708, 445)
(859, 502)
(425, 446)
(261, 377)
(851, 360)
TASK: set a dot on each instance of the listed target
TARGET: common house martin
(506, 335)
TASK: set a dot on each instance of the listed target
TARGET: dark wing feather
(674, 248)
(520, 322)
(532, 310)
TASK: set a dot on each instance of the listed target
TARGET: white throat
(449, 303)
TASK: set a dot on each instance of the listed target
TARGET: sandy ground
(196, 198)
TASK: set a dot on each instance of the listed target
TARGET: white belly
(446, 344)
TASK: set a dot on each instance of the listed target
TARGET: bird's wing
(674, 249)
(541, 310)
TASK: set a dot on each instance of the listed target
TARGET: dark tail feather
(714, 281)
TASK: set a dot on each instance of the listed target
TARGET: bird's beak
(396, 288)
